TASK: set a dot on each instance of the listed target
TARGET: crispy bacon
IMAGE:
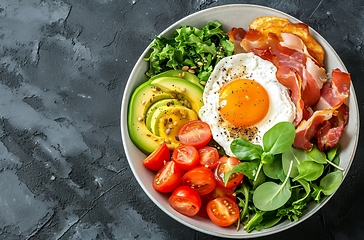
(334, 93)
(314, 49)
(318, 73)
(253, 40)
(292, 41)
(289, 57)
(235, 36)
(307, 113)
(310, 90)
(308, 129)
(331, 116)
(329, 134)
(314, 77)
(289, 78)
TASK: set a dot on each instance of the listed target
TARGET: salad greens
(276, 140)
(281, 180)
(199, 49)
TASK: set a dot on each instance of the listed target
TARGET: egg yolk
(243, 102)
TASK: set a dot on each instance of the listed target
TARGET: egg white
(240, 66)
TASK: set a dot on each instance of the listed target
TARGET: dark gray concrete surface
(63, 68)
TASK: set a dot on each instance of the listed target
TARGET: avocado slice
(187, 91)
(168, 121)
(147, 94)
(169, 102)
(142, 98)
(150, 92)
(180, 74)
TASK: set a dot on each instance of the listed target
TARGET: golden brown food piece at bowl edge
(277, 25)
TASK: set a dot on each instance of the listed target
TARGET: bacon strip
(314, 77)
(292, 41)
(334, 93)
(236, 35)
(331, 116)
(289, 78)
(254, 40)
(329, 134)
(308, 129)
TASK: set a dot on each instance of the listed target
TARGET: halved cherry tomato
(208, 156)
(217, 192)
(157, 158)
(201, 179)
(223, 211)
(196, 133)
(220, 191)
(225, 164)
(185, 157)
(185, 200)
(168, 178)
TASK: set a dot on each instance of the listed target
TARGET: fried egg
(243, 98)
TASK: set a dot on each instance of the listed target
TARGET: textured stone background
(63, 171)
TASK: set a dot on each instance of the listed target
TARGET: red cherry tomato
(224, 165)
(223, 211)
(157, 158)
(185, 157)
(217, 192)
(196, 133)
(185, 200)
(201, 179)
(205, 199)
(168, 178)
(220, 191)
(208, 157)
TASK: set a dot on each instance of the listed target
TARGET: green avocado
(179, 74)
(187, 91)
(144, 98)
(166, 121)
(169, 102)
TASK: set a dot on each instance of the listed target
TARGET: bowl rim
(125, 133)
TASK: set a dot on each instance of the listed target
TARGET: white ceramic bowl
(237, 15)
